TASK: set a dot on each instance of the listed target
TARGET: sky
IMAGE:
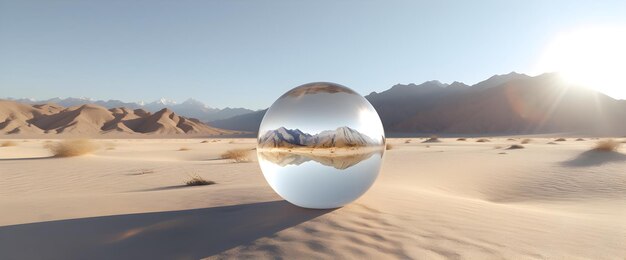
(248, 53)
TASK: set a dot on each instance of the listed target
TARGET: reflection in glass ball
(320, 145)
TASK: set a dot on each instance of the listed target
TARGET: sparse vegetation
(388, 146)
(408, 141)
(239, 155)
(515, 146)
(580, 139)
(482, 140)
(552, 143)
(70, 148)
(560, 140)
(511, 139)
(432, 139)
(198, 181)
(182, 149)
(8, 143)
(608, 145)
(461, 139)
(526, 141)
(204, 142)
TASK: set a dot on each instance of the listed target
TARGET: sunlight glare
(592, 57)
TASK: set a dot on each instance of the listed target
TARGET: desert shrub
(432, 139)
(408, 141)
(526, 141)
(482, 140)
(560, 140)
(511, 139)
(70, 148)
(608, 145)
(461, 139)
(515, 146)
(182, 149)
(388, 146)
(8, 143)
(552, 143)
(580, 139)
(198, 181)
(204, 142)
(239, 155)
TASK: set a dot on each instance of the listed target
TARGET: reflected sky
(320, 181)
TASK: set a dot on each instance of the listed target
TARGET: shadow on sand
(595, 158)
(29, 158)
(185, 234)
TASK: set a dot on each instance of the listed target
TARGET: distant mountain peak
(165, 101)
(190, 108)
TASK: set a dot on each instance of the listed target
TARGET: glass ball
(320, 145)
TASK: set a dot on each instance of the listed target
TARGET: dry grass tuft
(482, 140)
(580, 139)
(182, 149)
(608, 145)
(511, 139)
(515, 146)
(408, 141)
(239, 155)
(388, 146)
(461, 139)
(204, 142)
(552, 143)
(432, 139)
(198, 181)
(8, 143)
(526, 141)
(560, 140)
(70, 148)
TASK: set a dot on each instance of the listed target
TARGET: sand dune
(453, 199)
(93, 120)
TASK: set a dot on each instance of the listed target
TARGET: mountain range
(340, 162)
(190, 108)
(503, 104)
(340, 137)
(90, 119)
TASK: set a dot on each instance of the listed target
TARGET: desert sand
(446, 200)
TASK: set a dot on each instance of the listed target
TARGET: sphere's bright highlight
(320, 145)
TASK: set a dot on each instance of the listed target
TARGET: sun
(592, 57)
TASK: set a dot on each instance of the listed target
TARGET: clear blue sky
(248, 53)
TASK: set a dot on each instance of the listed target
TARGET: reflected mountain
(338, 138)
(340, 162)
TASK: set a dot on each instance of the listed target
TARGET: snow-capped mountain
(340, 137)
(190, 108)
